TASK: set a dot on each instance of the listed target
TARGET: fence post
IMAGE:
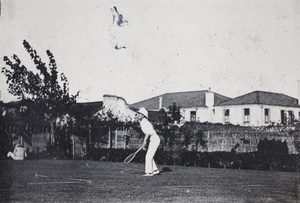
(207, 140)
(116, 139)
(21, 140)
(90, 137)
(125, 138)
(73, 141)
(109, 138)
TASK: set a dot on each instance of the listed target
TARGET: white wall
(257, 114)
(276, 112)
(202, 114)
(236, 114)
(119, 107)
(209, 102)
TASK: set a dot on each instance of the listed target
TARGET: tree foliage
(174, 112)
(45, 93)
(48, 91)
(271, 152)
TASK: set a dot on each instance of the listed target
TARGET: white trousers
(150, 164)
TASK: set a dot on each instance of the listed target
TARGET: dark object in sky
(120, 21)
(121, 47)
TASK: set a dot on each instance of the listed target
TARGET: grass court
(94, 181)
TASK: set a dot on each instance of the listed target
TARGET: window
(283, 117)
(287, 117)
(291, 117)
(246, 115)
(226, 115)
(267, 115)
(193, 116)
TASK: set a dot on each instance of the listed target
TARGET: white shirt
(147, 127)
(20, 153)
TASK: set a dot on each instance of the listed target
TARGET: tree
(47, 91)
(175, 112)
(272, 152)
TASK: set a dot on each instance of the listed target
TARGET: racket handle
(139, 149)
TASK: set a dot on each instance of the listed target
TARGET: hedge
(250, 161)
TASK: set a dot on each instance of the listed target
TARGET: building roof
(14, 104)
(261, 97)
(91, 107)
(182, 99)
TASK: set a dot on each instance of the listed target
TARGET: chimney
(209, 98)
(159, 103)
(298, 92)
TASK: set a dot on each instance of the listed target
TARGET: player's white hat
(144, 112)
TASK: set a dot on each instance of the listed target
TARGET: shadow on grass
(166, 169)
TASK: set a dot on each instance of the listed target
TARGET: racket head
(129, 158)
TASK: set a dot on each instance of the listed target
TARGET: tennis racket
(131, 156)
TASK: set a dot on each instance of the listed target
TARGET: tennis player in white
(154, 140)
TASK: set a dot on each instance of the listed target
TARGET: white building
(194, 105)
(257, 108)
(118, 106)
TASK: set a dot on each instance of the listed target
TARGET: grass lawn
(91, 181)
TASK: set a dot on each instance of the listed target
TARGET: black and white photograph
(150, 101)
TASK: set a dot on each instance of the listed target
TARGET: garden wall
(212, 141)
(242, 141)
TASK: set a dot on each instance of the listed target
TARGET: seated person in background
(18, 154)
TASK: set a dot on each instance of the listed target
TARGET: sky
(139, 49)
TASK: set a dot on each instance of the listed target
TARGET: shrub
(271, 154)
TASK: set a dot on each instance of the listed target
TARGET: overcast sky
(160, 46)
